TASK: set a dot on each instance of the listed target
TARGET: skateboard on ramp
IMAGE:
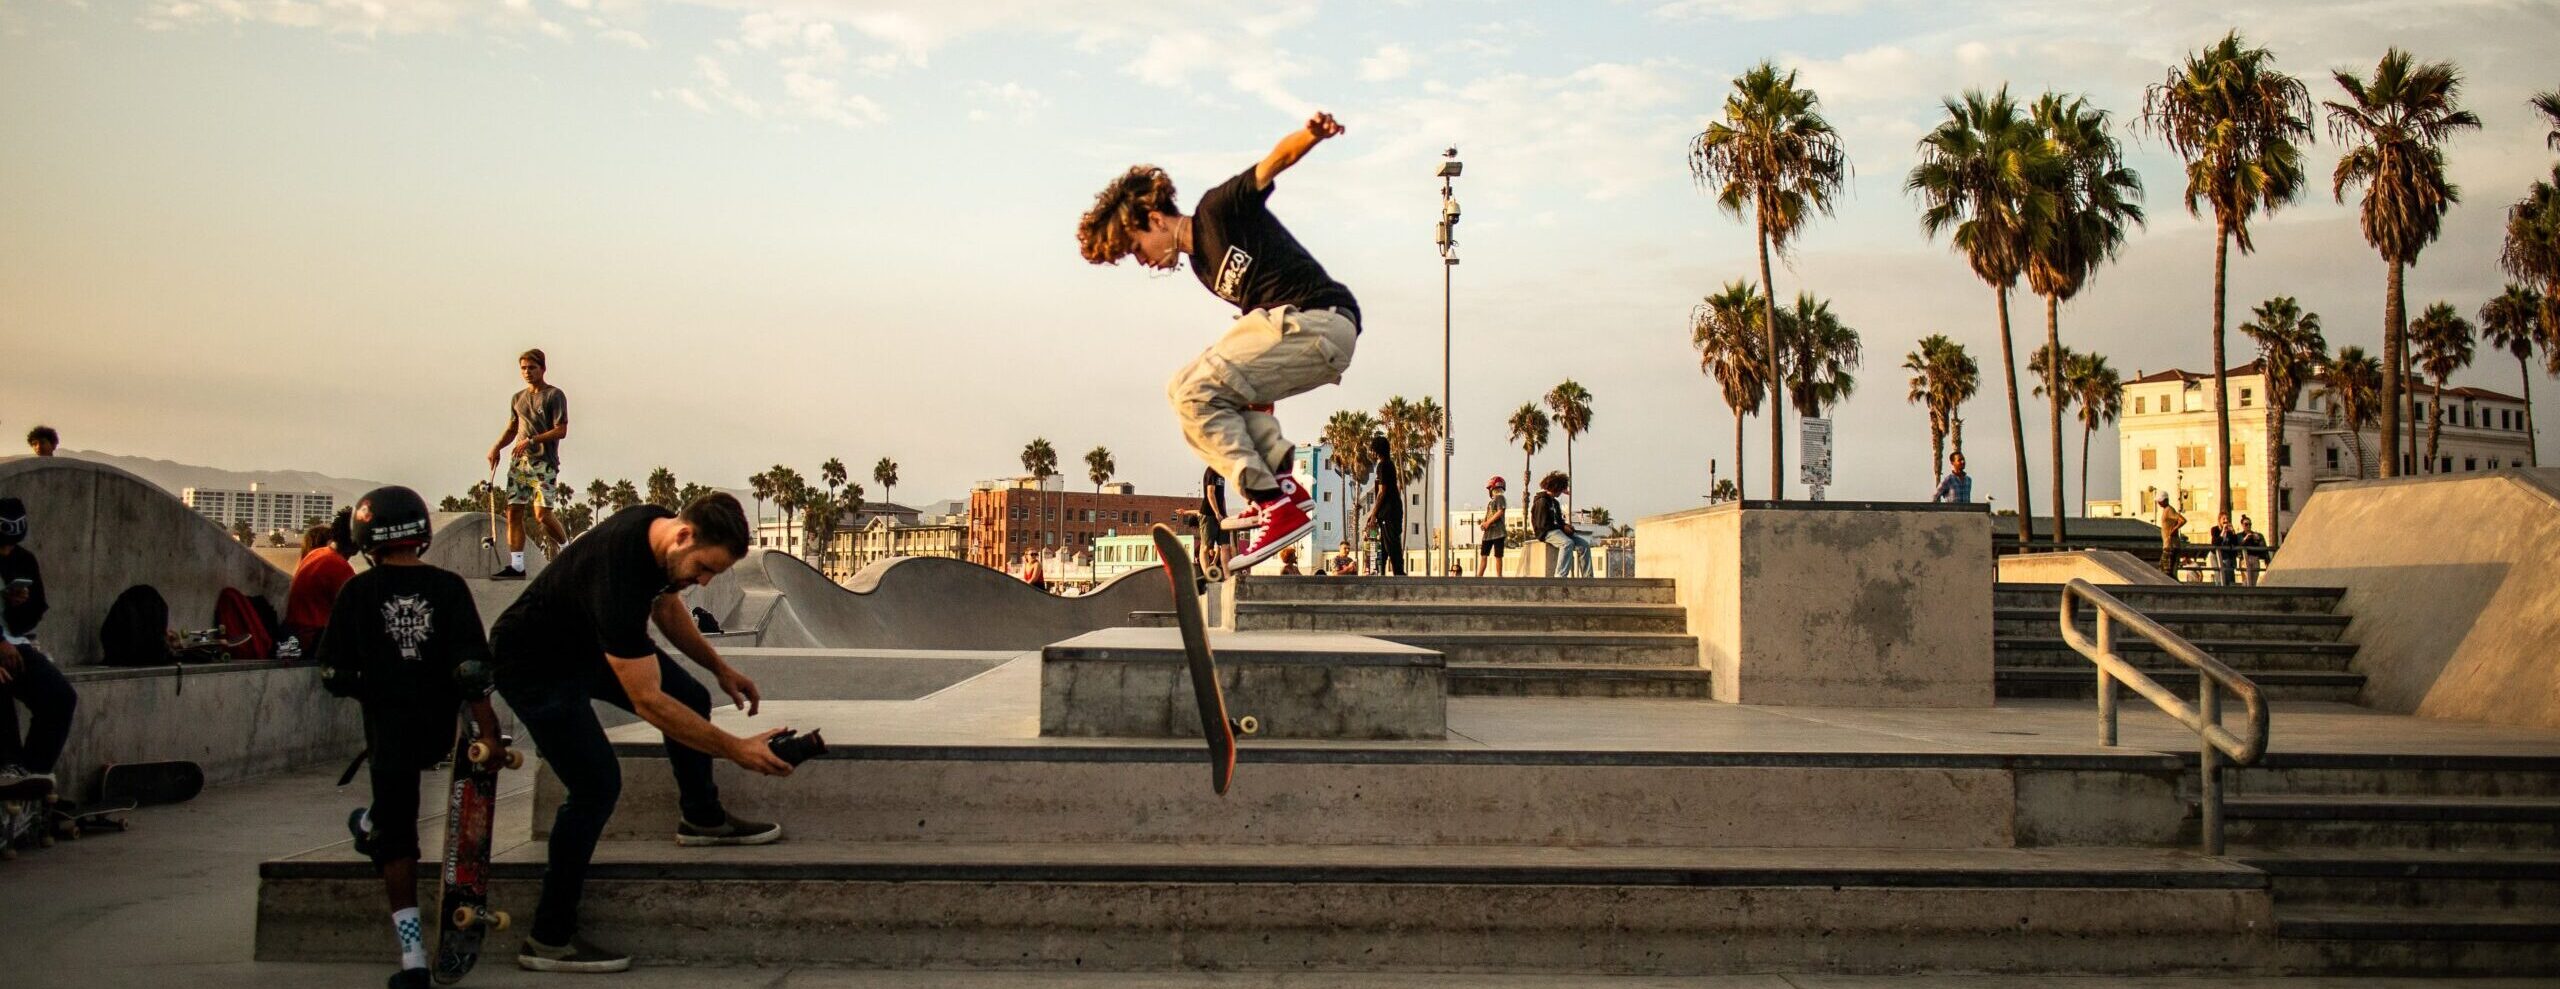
(1220, 729)
(463, 917)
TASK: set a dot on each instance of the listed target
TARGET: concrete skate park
(1834, 737)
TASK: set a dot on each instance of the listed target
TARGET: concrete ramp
(98, 530)
(2454, 582)
(458, 548)
(2097, 566)
(913, 603)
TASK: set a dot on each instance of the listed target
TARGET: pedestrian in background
(2170, 522)
(1957, 486)
(2253, 550)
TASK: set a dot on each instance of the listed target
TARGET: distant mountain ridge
(175, 477)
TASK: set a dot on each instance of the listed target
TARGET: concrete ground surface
(172, 903)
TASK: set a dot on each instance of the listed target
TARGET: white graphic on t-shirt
(408, 620)
(1231, 274)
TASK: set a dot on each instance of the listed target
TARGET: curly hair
(1555, 482)
(1107, 232)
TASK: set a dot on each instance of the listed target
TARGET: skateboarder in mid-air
(1296, 330)
(537, 420)
(404, 640)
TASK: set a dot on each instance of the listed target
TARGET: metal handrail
(2205, 718)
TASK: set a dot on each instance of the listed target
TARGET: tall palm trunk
(2275, 444)
(1568, 473)
(2532, 444)
(1777, 381)
(2085, 431)
(2053, 391)
(2435, 422)
(1937, 448)
(2391, 361)
(2221, 388)
(2409, 398)
(2017, 426)
(1737, 455)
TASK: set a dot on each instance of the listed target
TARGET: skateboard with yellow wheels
(1220, 729)
(463, 914)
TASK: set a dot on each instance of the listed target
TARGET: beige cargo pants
(1268, 355)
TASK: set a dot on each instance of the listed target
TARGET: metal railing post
(2217, 746)
(2106, 683)
(2209, 765)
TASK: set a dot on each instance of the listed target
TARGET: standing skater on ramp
(1295, 331)
(537, 420)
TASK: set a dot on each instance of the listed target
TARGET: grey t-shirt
(1493, 520)
(539, 412)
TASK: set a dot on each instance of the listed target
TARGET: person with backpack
(579, 634)
(1385, 511)
(403, 640)
(27, 676)
(1548, 524)
(317, 579)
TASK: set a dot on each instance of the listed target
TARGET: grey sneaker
(19, 783)
(735, 831)
(579, 956)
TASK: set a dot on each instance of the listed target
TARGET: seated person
(27, 676)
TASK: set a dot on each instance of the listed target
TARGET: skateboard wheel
(479, 752)
(498, 920)
(515, 760)
(463, 916)
(1248, 725)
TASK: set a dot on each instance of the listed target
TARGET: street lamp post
(1450, 166)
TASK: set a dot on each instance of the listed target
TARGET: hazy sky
(315, 233)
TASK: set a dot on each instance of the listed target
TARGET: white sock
(413, 939)
(516, 559)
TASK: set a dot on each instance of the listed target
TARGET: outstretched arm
(1294, 147)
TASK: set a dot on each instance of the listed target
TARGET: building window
(2239, 501)
(2239, 455)
(2150, 459)
(2284, 454)
(2470, 463)
(2139, 404)
(2191, 456)
(2333, 458)
(2284, 499)
(2247, 398)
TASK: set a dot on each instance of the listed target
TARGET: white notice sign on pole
(1816, 457)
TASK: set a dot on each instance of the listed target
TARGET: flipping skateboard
(463, 916)
(1220, 730)
(146, 784)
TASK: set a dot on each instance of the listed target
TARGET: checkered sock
(516, 560)
(413, 939)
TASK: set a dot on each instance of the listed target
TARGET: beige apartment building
(2166, 444)
(885, 536)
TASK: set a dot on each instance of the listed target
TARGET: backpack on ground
(246, 634)
(136, 630)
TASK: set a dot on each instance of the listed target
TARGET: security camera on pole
(1450, 166)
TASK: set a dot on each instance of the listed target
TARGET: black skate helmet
(390, 515)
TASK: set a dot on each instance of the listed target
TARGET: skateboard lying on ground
(1220, 730)
(72, 820)
(462, 912)
(147, 784)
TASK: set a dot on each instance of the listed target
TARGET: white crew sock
(413, 939)
(516, 559)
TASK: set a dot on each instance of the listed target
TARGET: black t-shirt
(407, 628)
(19, 564)
(1243, 254)
(592, 602)
(1390, 490)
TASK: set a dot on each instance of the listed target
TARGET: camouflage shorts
(529, 482)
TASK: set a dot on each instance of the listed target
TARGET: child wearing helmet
(404, 639)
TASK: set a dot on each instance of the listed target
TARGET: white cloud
(1756, 10)
(1389, 62)
(1012, 99)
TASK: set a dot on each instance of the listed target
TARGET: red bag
(240, 624)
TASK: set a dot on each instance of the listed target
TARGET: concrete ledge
(1135, 682)
(237, 720)
(859, 674)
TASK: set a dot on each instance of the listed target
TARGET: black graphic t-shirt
(1243, 254)
(1390, 490)
(407, 628)
(592, 602)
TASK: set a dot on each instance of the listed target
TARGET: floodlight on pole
(1450, 167)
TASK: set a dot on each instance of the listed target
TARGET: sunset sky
(314, 234)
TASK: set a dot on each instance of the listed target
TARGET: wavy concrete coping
(2097, 566)
(98, 530)
(913, 603)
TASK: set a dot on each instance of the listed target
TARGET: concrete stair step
(2279, 685)
(2405, 822)
(2180, 597)
(2409, 879)
(1546, 680)
(1421, 908)
(1371, 617)
(2247, 657)
(2435, 943)
(1254, 588)
(2361, 774)
(1557, 648)
(2195, 625)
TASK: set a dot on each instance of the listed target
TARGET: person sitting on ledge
(27, 676)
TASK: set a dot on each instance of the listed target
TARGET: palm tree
(2353, 382)
(1943, 378)
(1774, 155)
(2532, 255)
(2402, 118)
(1098, 468)
(2095, 200)
(2548, 104)
(624, 495)
(1430, 423)
(885, 474)
(1819, 358)
(1529, 429)
(1346, 437)
(2512, 323)
(2441, 341)
(662, 488)
(2235, 118)
(833, 475)
(1040, 460)
(1726, 330)
(2099, 391)
(599, 494)
(787, 484)
(2052, 376)
(2290, 350)
(1985, 177)
(1571, 404)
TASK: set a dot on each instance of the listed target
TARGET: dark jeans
(1391, 545)
(556, 713)
(49, 700)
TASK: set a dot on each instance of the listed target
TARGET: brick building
(1010, 516)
